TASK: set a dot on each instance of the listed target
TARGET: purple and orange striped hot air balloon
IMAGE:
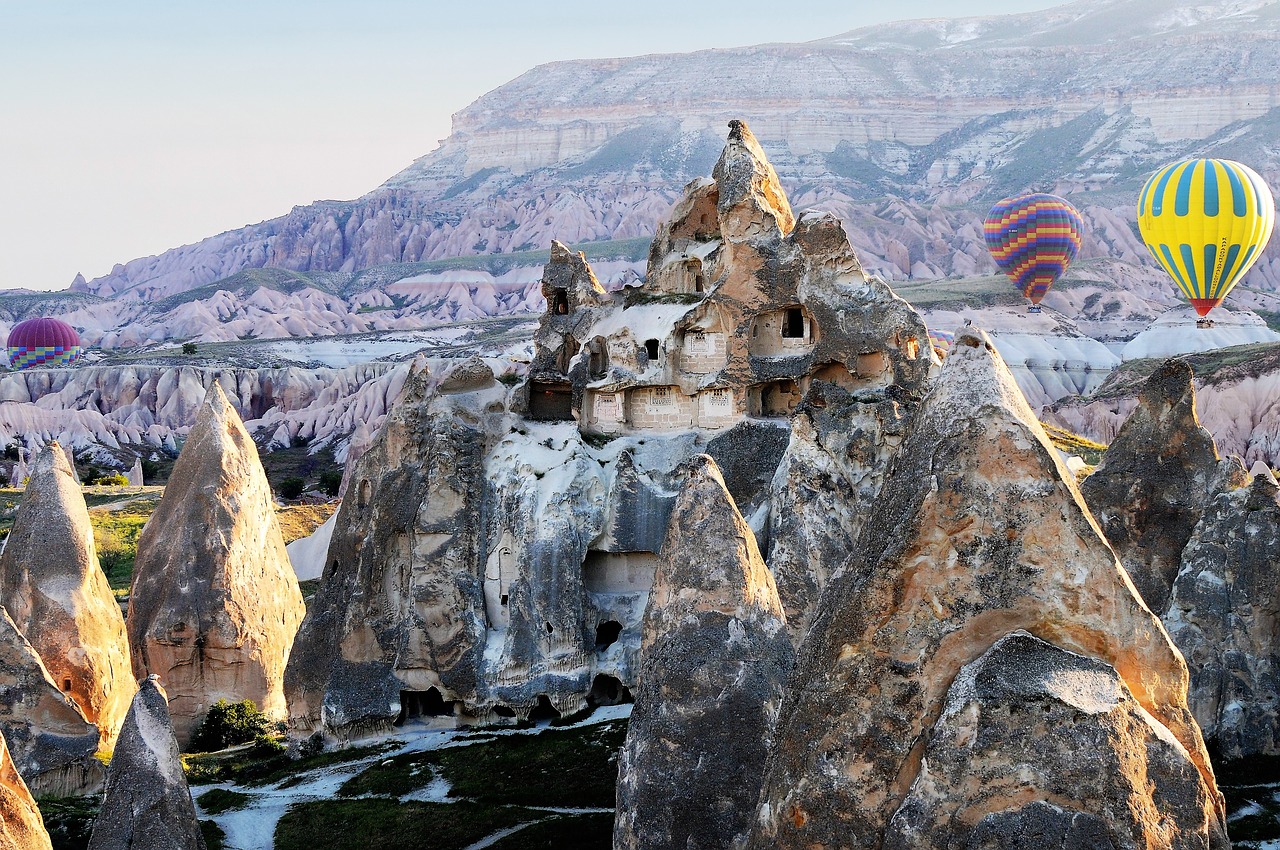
(1033, 238)
(42, 342)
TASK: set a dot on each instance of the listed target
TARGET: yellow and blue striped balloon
(1206, 222)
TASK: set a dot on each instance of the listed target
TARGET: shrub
(115, 479)
(228, 724)
(291, 488)
(331, 481)
(189, 348)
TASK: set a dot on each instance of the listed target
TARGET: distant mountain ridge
(907, 131)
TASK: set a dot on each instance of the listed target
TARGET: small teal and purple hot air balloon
(43, 342)
(1033, 238)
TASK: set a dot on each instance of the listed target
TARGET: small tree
(291, 488)
(228, 724)
(331, 482)
(189, 348)
(115, 479)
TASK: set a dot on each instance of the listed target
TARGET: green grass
(577, 767)
(214, 837)
(250, 766)
(1071, 443)
(218, 800)
(564, 832)
(69, 820)
(115, 535)
(360, 824)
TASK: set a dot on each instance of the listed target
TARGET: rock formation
(400, 592)
(51, 742)
(979, 532)
(1038, 746)
(714, 660)
(1152, 484)
(148, 804)
(21, 827)
(134, 474)
(1223, 614)
(743, 309)
(214, 604)
(840, 448)
(58, 596)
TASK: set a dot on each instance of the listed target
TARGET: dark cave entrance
(544, 710)
(607, 634)
(416, 705)
(550, 402)
(608, 690)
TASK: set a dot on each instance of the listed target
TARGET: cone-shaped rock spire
(215, 603)
(978, 532)
(714, 660)
(148, 804)
(21, 827)
(1154, 480)
(59, 598)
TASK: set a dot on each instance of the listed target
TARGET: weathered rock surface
(58, 596)
(1223, 615)
(1040, 747)
(400, 591)
(214, 604)
(148, 804)
(51, 742)
(21, 827)
(978, 532)
(714, 660)
(834, 466)
(1152, 484)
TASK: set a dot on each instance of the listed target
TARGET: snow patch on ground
(1176, 333)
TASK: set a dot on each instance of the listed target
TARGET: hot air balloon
(43, 342)
(1033, 238)
(1206, 222)
(941, 340)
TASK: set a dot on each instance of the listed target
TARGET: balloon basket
(1204, 323)
(1034, 308)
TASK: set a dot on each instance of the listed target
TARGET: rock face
(1038, 745)
(1153, 482)
(58, 596)
(21, 827)
(148, 804)
(978, 532)
(1222, 615)
(714, 661)
(51, 742)
(214, 604)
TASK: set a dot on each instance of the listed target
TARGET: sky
(128, 127)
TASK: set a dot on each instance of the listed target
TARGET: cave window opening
(544, 710)
(651, 348)
(607, 634)
(793, 325)
(66, 685)
(365, 494)
(560, 303)
(504, 710)
(550, 629)
(699, 283)
(505, 598)
(607, 690)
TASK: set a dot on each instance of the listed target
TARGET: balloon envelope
(1206, 222)
(42, 342)
(1033, 238)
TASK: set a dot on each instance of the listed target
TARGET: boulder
(1034, 740)
(1223, 614)
(214, 604)
(58, 596)
(21, 827)
(1154, 480)
(978, 532)
(714, 660)
(147, 804)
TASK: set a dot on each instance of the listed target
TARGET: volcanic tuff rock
(1222, 615)
(51, 742)
(1152, 484)
(21, 827)
(978, 532)
(834, 466)
(59, 598)
(400, 590)
(1038, 746)
(714, 660)
(148, 804)
(214, 604)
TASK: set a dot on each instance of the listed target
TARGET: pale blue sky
(132, 126)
